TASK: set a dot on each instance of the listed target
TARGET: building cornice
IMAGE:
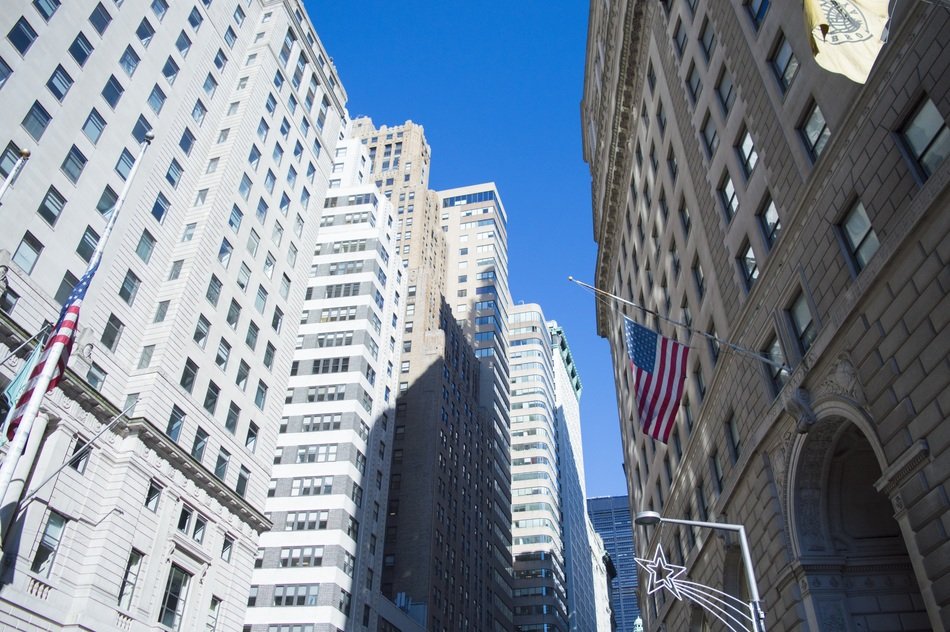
(623, 122)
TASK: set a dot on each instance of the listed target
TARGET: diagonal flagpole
(17, 166)
(740, 350)
(57, 344)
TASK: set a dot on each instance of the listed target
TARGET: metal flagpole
(17, 166)
(725, 343)
(9, 465)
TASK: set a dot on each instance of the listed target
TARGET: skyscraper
(610, 516)
(189, 324)
(438, 519)
(328, 488)
(749, 194)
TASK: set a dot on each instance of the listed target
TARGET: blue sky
(497, 86)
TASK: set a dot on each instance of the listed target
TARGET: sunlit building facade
(190, 323)
(744, 191)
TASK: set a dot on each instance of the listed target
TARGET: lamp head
(647, 518)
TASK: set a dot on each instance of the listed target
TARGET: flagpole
(17, 166)
(736, 348)
(41, 332)
(9, 465)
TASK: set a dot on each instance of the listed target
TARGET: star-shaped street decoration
(662, 573)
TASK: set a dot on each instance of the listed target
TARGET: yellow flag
(846, 35)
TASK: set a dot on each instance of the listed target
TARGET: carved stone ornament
(87, 351)
(3, 278)
(798, 405)
(843, 380)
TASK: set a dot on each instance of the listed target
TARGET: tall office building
(474, 222)
(742, 189)
(603, 572)
(610, 516)
(553, 572)
(441, 488)
(318, 568)
(189, 324)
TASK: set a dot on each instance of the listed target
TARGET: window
(188, 375)
(183, 44)
(802, 323)
(65, 287)
(757, 10)
(747, 154)
(96, 376)
(226, 548)
(699, 278)
(49, 543)
(123, 166)
(22, 35)
(152, 496)
(213, 609)
(52, 206)
(223, 354)
(214, 290)
(80, 49)
(928, 137)
(784, 63)
(127, 588)
(145, 32)
(729, 197)
(112, 91)
(814, 131)
(748, 266)
(199, 445)
(769, 221)
(710, 135)
(244, 476)
(73, 164)
(130, 287)
(28, 252)
(221, 465)
(220, 60)
(87, 244)
(173, 601)
(160, 207)
(112, 332)
(195, 19)
(230, 38)
(80, 456)
(141, 128)
(100, 19)
(156, 99)
(250, 441)
(211, 398)
(129, 61)
(679, 37)
(198, 112)
(5, 72)
(161, 311)
(707, 39)
(92, 128)
(726, 91)
(187, 141)
(777, 375)
(693, 82)
(859, 236)
(159, 8)
(46, 8)
(174, 173)
(170, 70)
(202, 327)
(175, 271)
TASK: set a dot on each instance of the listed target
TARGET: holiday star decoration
(733, 612)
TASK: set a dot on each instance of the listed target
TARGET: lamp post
(648, 518)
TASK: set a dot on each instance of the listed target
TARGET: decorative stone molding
(842, 380)
(797, 403)
(905, 466)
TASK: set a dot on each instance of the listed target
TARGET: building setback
(437, 518)
(327, 493)
(189, 324)
(741, 188)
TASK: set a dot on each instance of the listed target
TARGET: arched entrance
(851, 560)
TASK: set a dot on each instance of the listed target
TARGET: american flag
(659, 371)
(64, 333)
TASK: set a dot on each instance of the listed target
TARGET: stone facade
(790, 211)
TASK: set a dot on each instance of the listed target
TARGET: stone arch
(851, 559)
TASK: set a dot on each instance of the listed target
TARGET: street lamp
(649, 518)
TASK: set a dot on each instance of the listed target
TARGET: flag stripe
(64, 334)
(659, 370)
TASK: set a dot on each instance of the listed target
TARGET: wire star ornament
(662, 573)
(733, 612)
